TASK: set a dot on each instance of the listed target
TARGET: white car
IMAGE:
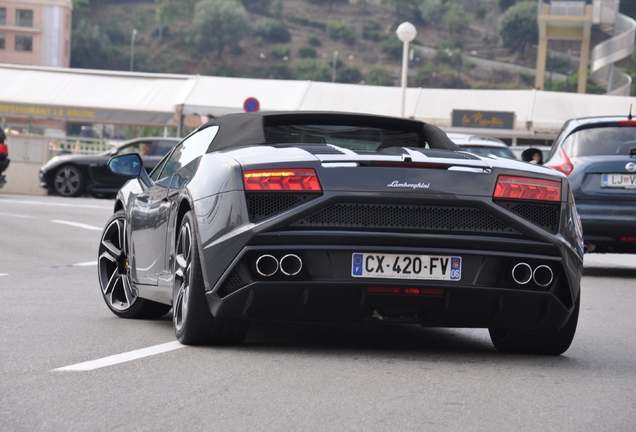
(482, 145)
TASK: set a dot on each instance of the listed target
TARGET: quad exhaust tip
(289, 265)
(542, 275)
(267, 265)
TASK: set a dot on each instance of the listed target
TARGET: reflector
(295, 179)
(527, 188)
(628, 239)
(405, 291)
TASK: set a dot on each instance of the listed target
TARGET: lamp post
(132, 49)
(333, 68)
(406, 32)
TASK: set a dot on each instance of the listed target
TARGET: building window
(24, 18)
(2, 41)
(23, 43)
(3, 16)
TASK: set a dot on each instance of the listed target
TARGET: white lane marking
(45, 203)
(122, 358)
(85, 264)
(18, 215)
(77, 224)
(4, 274)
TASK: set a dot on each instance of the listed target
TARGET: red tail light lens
(512, 187)
(562, 163)
(406, 291)
(4, 149)
(627, 123)
(297, 179)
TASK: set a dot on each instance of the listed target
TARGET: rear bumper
(325, 290)
(608, 228)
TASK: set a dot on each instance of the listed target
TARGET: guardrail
(75, 145)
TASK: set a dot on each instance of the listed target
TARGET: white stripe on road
(18, 215)
(122, 358)
(45, 203)
(4, 274)
(79, 225)
(85, 264)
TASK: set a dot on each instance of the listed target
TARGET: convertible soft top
(242, 129)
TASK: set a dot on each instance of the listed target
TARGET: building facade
(36, 32)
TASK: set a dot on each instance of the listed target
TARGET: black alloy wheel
(114, 274)
(68, 181)
(545, 341)
(193, 321)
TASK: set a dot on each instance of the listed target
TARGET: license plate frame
(618, 181)
(406, 266)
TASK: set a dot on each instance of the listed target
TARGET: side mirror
(128, 165)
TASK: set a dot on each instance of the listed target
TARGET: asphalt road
(285, 377)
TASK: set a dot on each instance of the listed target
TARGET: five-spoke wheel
(114, 274)
(68, 181)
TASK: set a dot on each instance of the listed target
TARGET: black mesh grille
(405, 217)
(233, 282)
(544, 215)
(263, 205)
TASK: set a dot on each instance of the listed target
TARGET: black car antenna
(629, 117)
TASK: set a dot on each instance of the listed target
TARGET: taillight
(627, 123)
(4, 149)
(295, 179)
(512, 187)
(562, 163)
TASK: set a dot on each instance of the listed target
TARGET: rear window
(356, 138)
(601, 141)
(496, 151)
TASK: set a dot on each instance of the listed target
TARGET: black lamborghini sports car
(334, 217)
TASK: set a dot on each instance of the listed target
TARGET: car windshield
(357, 138)
(600, 141)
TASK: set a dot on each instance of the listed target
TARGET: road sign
(251, 104)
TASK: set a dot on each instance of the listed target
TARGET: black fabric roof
(243, 129)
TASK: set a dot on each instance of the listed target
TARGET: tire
(114, 274)
(68, 181)
(548, 341)
(193, 321)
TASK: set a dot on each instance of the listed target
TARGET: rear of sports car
(430, 237)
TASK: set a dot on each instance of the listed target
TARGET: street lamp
(132, 49)
(406, 32)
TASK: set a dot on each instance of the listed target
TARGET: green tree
(312, 70)
(272, 31)
(431, 12)
(379, 76)
(349, 75)
(455, 20)
(88, 46)
(169, 10)
(341, 30)
(392, 47)
(218, 24)
(518, 26)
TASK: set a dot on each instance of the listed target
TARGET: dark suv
(598, 154)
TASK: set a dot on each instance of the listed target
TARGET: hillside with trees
(350, 41)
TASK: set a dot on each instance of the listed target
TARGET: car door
(151, 209)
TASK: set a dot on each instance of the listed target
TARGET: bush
(272, 31)
(281, 51)
(392, 47)
(349, 75)
(312, 70)
(314, 40)
(339, 30)
(307, 52)
(308, 23)
(379, 76)
(279, 71)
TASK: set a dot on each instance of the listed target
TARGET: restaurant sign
(483, 119)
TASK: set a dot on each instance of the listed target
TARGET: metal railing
(78, 145)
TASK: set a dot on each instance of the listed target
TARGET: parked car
(482, 145)
(73, 175)
(518, 151)
(4, 157)
(339, 217)
(598, 154)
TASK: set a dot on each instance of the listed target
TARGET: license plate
(393, 266)
(625, 181)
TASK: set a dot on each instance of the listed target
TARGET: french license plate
(393, 266)
(625, 181)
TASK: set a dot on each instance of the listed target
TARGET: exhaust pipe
(266, 265)
(522, 273)
(291, 265)
(543, 275)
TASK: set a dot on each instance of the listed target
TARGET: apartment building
(36, 32)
